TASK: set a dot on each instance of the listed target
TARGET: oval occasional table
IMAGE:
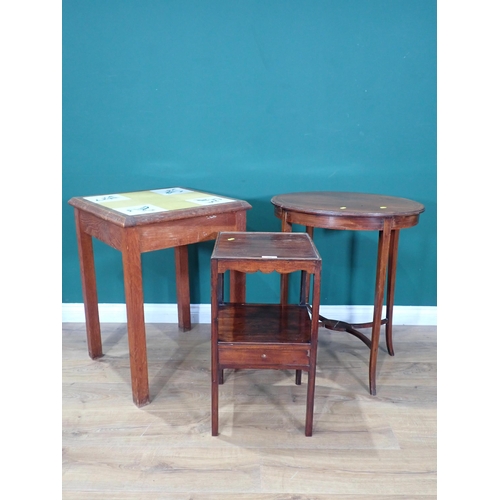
(355, 212)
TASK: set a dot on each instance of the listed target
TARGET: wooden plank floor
(381, 447)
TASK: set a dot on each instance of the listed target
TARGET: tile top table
(144, 221)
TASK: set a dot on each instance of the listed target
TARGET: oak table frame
(264, 336)
(355, 212)
(133, 235)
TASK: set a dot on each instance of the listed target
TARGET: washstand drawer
(280, 357)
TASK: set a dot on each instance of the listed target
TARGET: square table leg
(182, 285)
(89, 289)
(134, 298)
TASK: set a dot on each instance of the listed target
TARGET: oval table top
(339, 203)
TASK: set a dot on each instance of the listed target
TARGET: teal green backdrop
(250, 99)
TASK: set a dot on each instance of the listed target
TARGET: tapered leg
(382, 260)
(215, 397)
(89, 289)
(216, 373)
(215, 409)
(132, 273)
(182, 285)
(311, 382)
(311, 378)
(391, 283)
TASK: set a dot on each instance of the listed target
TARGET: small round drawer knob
(263, 356)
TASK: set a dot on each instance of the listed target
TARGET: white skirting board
(200, 313)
